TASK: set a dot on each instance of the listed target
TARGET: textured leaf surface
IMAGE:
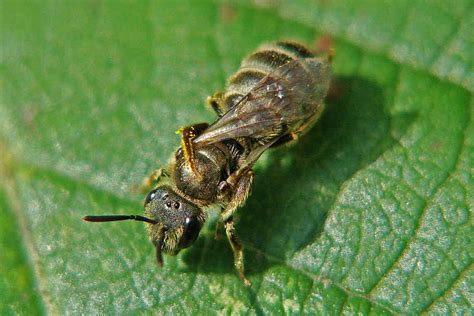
(15, 276)
(370, 212)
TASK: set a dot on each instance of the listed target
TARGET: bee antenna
(113, 218)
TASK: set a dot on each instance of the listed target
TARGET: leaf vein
(8, 182)
(426, 204)
(318, 278)
(461, 82)
(449, 288)
(449, 38)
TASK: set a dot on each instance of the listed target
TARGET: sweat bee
(275, 96)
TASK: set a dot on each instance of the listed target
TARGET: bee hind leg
(216, 102)
(325, 45)
(240, 192)
(285, 139)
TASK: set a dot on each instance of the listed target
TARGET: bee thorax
(202, 185)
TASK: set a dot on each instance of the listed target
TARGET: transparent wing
(282, 98)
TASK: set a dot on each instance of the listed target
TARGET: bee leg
(237, 249)
(188, 133)
(240, 192)
(151, 181)
(325, 45)
(216, 102)
(285, 139)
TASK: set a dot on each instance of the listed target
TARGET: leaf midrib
(8, 184)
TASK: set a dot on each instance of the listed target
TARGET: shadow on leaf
(295, 187)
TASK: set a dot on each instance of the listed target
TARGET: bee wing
(266, 107)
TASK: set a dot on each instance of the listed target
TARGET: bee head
(177, 221)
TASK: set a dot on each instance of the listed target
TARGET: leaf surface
(370, 212)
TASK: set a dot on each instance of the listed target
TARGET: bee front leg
(151, 181)
(240, 193)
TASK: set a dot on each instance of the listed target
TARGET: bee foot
(224, 186)
(224, 190)
(246, 281)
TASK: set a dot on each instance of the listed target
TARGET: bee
(275, 96)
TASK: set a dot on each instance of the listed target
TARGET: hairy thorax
(212, 166)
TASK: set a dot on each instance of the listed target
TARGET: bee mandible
(275, 96)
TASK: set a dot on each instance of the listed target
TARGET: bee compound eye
(192, 227)
(150, 196)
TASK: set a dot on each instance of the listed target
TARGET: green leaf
(370, 212)
(15, 276)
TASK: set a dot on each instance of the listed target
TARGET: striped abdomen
(259, 64)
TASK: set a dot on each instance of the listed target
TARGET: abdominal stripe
(259, 64)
